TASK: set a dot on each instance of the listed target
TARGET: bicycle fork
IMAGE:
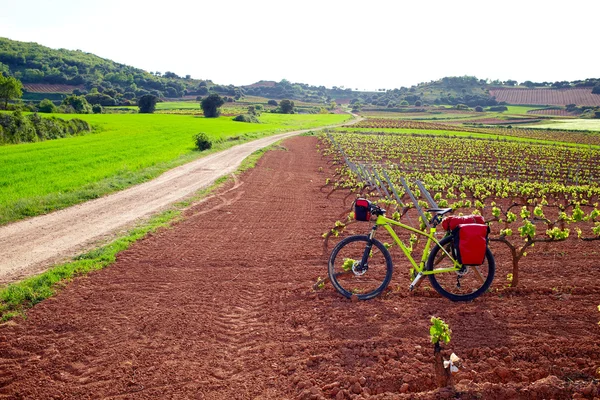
(364, 264)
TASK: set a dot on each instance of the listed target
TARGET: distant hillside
(473, 92)
(59, 70)
(53, 74)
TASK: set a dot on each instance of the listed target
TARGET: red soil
(220, 306)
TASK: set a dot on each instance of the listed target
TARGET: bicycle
(361, 265)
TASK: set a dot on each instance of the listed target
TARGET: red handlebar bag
(451, 222)
(362, 210)
(470, 243)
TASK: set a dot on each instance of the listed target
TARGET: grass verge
(17, 298)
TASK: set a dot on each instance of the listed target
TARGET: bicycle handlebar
(376, 210)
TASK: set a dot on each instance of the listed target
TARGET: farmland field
(572, 124)
(558, 97)
(559, 112)
(126, 149)
(518, 132)
(50, 88)
(173, 318)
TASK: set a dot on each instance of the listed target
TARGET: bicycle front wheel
(360, 266)
(466, 284)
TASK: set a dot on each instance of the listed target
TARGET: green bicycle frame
(419, 268)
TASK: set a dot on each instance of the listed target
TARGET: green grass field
(522, 110)
(125, 149)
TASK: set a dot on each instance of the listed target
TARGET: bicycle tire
(365, 285)
(468, 286)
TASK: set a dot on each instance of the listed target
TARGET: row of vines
(520, 132)
(528, 193)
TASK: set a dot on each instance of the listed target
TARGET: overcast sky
(355, 44)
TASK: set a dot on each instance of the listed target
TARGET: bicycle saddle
(439, 211)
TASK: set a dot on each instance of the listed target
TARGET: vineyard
(48, 88)
(504, 168)
(533, 193)
(558, 112)
(557, 97)
(521, 132)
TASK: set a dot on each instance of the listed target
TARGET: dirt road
(30, 246)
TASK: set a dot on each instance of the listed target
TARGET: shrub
(47, 106)
(246, 118)
(210, 105)
(17, 128)
(272, 103)
(97, 109)
(286, 106)
(202, 141)
(101, 98)
(479, 109)
(498, 108)
(78, 103)
(147, 103)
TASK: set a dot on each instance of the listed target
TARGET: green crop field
(521, 110)
(572, 124)
(124, 150)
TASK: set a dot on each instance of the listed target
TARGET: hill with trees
(85, 73)
(54, 74)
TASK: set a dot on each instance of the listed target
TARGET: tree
(287, 106)
(10, 88)
(210, 105)
(79, 104)
(47, 106)
(272, 103)
(596, 89)
(147, 103)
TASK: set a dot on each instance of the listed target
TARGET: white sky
(356, 44)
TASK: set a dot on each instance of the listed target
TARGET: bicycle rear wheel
(350, 275)
(465, 284)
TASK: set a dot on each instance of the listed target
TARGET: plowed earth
(220, 306)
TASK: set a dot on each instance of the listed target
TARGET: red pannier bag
(470, 243)
(362, 210)
(451, 222)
